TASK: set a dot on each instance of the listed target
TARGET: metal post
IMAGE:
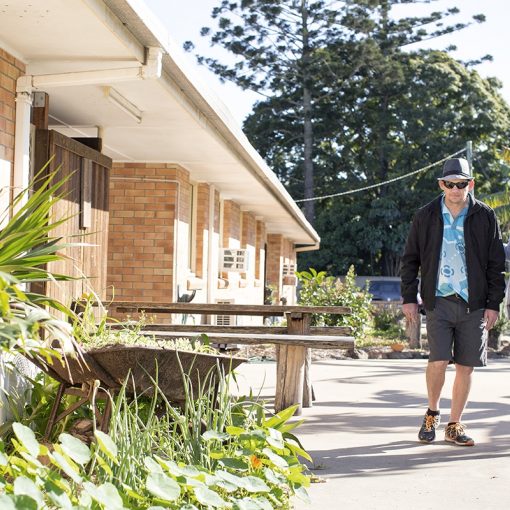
(469, 155)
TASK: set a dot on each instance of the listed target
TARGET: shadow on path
(369, 417)
(401, 456)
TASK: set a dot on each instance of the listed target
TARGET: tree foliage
(437, 105)
(282, 49)
(347, 104)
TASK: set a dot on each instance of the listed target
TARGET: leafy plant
(387, 322)
(36, 401)
(215, 433)
(254, 464)
(500, 202)
(502, 324)
(28, 322)
(26, 247)
(317, 288)
(213, 451)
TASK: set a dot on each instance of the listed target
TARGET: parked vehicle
(382, 288)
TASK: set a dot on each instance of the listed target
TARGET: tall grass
(144, 425)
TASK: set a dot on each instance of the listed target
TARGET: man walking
(455, 243)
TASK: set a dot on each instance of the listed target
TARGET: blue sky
(184, 18)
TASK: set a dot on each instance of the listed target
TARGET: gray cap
(455, 168)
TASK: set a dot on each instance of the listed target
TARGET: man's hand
(410, 311)
(490, 317)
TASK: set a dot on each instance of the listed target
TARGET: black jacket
(485, 256)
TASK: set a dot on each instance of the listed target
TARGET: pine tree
(299, 53)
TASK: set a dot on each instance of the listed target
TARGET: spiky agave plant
(26, 248)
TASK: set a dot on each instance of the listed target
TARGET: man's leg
(455, 431)
(440, 327)
(460, 393)
(435, 376)
(469, 350)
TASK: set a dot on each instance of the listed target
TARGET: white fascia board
(210, 106)
(148, 19)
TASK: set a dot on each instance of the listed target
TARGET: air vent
(232, 259)
(225, 320)
(289, 269)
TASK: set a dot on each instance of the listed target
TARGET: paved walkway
(361, 433)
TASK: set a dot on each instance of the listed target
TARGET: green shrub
(387, 323)
(256, 467)
(319, 289)
(215, 450)
(36, 402)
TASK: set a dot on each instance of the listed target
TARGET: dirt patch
(268, 353)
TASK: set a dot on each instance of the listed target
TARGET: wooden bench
(293, 382)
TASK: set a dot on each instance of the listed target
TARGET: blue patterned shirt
(452, 276)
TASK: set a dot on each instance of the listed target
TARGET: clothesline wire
(364, 188)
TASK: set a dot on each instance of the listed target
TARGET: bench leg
(290, 371)
(290, 368)
(308, 397)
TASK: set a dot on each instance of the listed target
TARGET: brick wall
(260, 243)
(149, 249)
(248, 242)
(202, 233)
(289, 254)
(274, 264)
(10, 70)
(144, 217)
(248, 230)
(217, 211)
(289, 282)
(280, 251)
(231, 224)
(231, 235)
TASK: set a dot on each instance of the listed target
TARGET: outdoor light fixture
(124, 104)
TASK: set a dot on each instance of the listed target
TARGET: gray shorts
(456, 335)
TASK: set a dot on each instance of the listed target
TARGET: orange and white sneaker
(456, 433)
(427, 432)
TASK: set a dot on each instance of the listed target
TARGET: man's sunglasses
(460, 185)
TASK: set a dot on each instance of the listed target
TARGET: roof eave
(145, 27)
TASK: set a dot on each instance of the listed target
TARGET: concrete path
(362, 434)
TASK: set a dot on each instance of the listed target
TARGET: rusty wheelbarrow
(99, 374)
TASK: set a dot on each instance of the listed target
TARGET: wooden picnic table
(293, 382)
